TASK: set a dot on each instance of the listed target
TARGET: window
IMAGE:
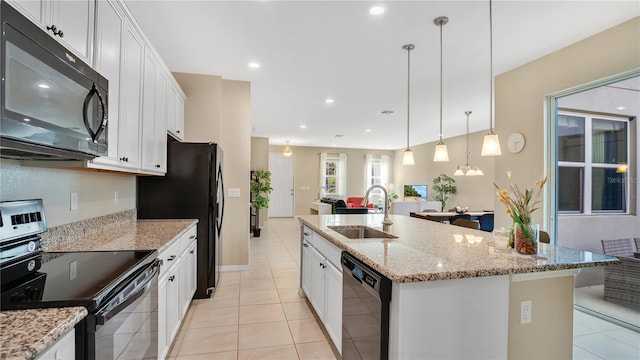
(376, 173)
(593, 152)
(333, 174)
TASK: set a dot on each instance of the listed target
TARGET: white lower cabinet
(333, 314)
(64, 348)
(176, 287)
(322, 283)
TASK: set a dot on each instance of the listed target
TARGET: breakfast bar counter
(428, 250)
(452, 295)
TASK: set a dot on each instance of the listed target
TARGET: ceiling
(313, 50)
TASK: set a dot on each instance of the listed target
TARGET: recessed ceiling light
(386, 112)
(367, 130)
(329, 101)
(254, 65)
(303, 126)
(377, 9)
(43, 86)
(26, 119)
(622, 107)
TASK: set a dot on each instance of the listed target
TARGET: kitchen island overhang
(454, 297)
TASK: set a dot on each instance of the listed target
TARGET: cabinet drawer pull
(158, 166)
(191, 252)
(306, 234)
(305, 245)
(172, 277)
(171, 258)
(192, 237)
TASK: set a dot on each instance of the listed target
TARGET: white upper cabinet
(130, 99)
(175, 112)
(110, 25)
(69, 22)
(154, 117)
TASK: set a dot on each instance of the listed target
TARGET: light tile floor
(258, 314)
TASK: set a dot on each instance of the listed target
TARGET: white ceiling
(311, 50)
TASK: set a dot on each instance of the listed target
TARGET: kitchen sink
(361, 232)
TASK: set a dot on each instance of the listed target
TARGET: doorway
(282, 173)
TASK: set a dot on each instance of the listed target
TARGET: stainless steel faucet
(387, 220)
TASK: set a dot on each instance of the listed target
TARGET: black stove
(110, 284)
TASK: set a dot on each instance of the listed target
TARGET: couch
(356, 202)
(339, 206)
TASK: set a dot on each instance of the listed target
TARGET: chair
(465, 223)
(403, 207)
(543, 236)
(486, 222)
(637, 240)
(429, 206)
(459, 216)
(622, 282)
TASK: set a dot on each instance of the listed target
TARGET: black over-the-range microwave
(54, 106)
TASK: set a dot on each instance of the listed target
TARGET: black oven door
(51, 101)
(127, 326)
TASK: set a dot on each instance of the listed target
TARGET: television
(416, 192)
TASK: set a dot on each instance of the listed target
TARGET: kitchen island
(453, 296)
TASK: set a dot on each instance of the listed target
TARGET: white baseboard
(235, 268)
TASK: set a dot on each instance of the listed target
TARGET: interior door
(281, 198)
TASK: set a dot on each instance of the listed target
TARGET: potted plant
(444, 186)
(260, 189)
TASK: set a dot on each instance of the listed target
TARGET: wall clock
(515, 142)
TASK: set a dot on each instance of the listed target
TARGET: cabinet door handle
(172, 277)
(306, 234)
(191, 252)
(305, 245)
(55, 30)
(171, 258)
(192, 237)
(321, 264)
(158, 166)
(178, 131)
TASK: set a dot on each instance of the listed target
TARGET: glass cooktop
(70, 278)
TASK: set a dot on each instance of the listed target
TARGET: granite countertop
(131, 235)
(27, 333)
(426, 250)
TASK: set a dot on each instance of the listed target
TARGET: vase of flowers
(520, 205)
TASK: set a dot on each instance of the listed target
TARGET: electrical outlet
(115, 197)
(74, 201)
(73, 269)
(525, 312)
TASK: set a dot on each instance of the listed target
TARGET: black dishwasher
(366, 295)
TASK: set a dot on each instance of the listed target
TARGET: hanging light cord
(440, 24)
(408, 89)
(490, 68)
(467, 113)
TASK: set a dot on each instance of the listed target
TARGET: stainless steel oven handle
(121, 301)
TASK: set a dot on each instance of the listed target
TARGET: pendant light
(441, 153)
(287, 150)
(407, 156)
(491, 143)
(466, 169)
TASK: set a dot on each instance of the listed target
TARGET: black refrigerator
(193, 188)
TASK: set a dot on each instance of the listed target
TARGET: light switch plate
(525, 312)
(233, 192)
(74, 201)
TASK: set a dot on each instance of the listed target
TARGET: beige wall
(201, 107)
(54, 185)
(219, 111)
(306, 173)
(260, 161)
(519, 104)
(476, 192)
